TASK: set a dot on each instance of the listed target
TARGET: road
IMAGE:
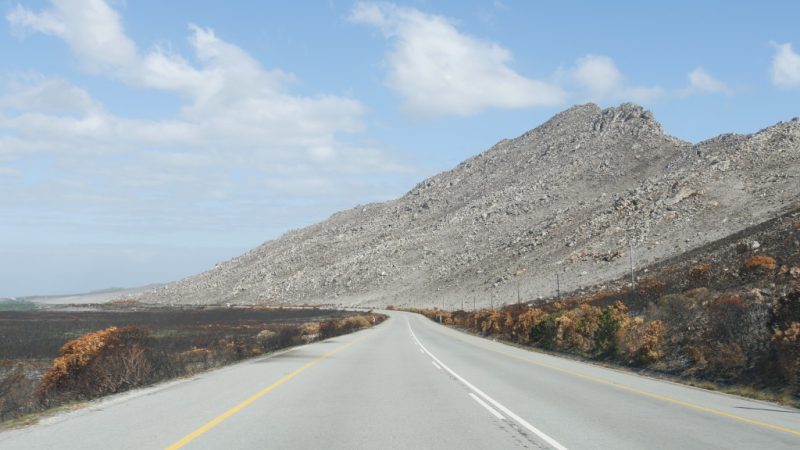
(411, 383)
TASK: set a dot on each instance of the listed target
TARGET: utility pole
(633, 280)
(558, 287)
(517, 276)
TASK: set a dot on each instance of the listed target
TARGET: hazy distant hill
(567, 197)
(99, 296)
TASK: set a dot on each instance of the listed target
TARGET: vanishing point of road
(410, 383)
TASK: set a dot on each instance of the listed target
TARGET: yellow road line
(227, 414)
(636, 390)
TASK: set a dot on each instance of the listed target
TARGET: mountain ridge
(569, 196)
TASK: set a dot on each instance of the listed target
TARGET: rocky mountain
(570, 197)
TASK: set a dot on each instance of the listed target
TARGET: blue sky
(144, 141)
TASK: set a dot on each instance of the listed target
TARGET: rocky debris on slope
(570, 197)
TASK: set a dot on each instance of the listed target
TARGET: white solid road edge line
(552, 442)
(489, 408)
(436, 365)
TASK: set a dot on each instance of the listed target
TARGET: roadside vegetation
(728, 318)
(50, 358)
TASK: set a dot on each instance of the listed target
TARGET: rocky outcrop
(569, 197)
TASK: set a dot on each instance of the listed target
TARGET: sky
(144, 141)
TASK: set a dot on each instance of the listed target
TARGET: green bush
(543, 333)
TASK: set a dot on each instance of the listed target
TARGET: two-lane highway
(410, 383)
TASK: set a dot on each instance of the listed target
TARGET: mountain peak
(625, 119)
(627, 116)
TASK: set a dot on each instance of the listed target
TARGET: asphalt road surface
(410, 383)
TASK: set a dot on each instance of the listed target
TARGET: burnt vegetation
(727, 314)
(48, 358)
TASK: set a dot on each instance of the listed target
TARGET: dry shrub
(726, 360)
(525, 321)
(355, 323)
(652, 286)
(786, 344)
(460, 318)
(491, 324)
(576, 329)
(446, 317)
(566, 330)
(196, 356)
(333, 327)
(603, 296)
(640, 342)
(652, 342)
(697, 356)
(507, 321)
(265, 336)
(588, 324)
(699, 274)
(725, 316)
(675, 309)
(328, 328)
(17, 389)
(310, 331)
(100, 363)
(760, 262)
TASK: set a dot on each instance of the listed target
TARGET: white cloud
(8, 171)
(785, 67)
(23, 20)
(35, 93)
(702, 82)
(440, 71)
(239, 124)
(91, 28)
(598, 79)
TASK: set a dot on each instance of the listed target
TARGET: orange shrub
(640, 341)
(491, 324)
(761, 262)
(99, 363)
(524, 323)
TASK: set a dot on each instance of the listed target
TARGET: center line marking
(552, 442)
(489, 408)
(436, 365)
(226, 415)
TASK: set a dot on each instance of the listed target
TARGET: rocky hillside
(569, 197)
